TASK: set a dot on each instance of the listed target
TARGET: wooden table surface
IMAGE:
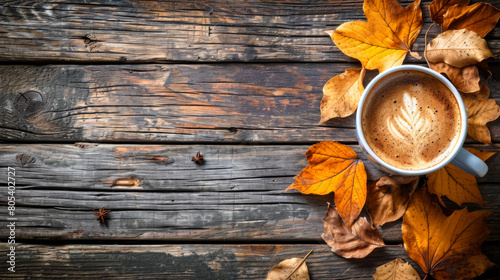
(103, 104)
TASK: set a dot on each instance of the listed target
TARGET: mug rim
(364, 144)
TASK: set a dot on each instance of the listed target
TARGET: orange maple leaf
(456, 184)
(383, 41)
(445, 247)
(334, 167)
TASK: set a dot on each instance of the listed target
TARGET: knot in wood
(30, 102)
(25, 159)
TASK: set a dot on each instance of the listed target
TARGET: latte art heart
(412, 120)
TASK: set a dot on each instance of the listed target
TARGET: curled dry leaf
(480, 18)
(388, 198)
(355, 241)
(465, 79)
(457, 48)
(383, 41)
(341, 94)
(439, 7)
(480, 111)
(334, 167)
(396, 269)
(445, 247)
(456, 184)
(283, 269)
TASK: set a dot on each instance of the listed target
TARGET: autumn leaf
(456, 184)
(334, 167)
(445, 247)
(383, 41)
(480, 111)
(483, 155)
(457, 48)
(439, 7)
(341, 94)
(465, 79)
(405, 23)
(396, 269)
(355, 241)
(292, 269)
(480, 18)
(388, 198)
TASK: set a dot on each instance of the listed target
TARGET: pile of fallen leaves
(444, 241)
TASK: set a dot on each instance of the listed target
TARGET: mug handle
(468, 162)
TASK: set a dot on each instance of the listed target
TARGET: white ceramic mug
(459, 156)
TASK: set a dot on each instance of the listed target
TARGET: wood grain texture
(233, 103)
(238, 195)
(176, 31)
(208, 262)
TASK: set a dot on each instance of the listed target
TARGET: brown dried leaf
(439, 7)
(480, 18)
(334, 167)
(356, 241)
(457, 48)
(396, 269)
(445, 247)
(341, 94)
(465, 79)
(480, 111)
(388, 198)
(284, 268)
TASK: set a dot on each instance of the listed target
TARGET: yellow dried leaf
(405, 23)
(282, 270)
(396, 269)
(383, 41)
(374, 47)
(341, 94)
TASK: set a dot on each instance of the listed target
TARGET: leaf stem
(303, 260)
(425, 47)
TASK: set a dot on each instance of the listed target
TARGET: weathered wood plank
(216, 262)
(238, 194)
(258, 103)
(166, 31)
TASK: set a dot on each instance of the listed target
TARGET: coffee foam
(412, 121)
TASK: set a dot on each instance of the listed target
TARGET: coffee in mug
(412, 120)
